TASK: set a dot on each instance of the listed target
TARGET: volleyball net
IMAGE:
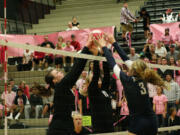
(30, 121)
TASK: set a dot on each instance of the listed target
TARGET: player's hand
(89, 41)
(109, 38)
(99, 41)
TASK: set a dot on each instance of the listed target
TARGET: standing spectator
(172, 53)
(48, 59)
(67, 59)
(82, 80)
(70, 27)
(160, 105)
(19, 102)
(177, 38)
(61, 42)
(75, 43)
(126, 16)
(10, 96)
(173, 120)
(46, 41)
(36, 102)
(14, 87)
(24, 88)
(160, 49)
(172, 92)
(59, 58)
(150, 38)
(146, 21)
(75, 23)
(133, 55)
(167, 39)
(164, 72)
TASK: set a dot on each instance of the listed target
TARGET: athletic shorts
(126, 27)
(143, 125)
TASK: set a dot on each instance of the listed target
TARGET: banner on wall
(81, 36)
(158, 30)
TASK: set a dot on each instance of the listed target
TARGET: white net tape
(74, 54)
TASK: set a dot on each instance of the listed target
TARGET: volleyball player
(142, 118)
(100, 101)
(62, 122)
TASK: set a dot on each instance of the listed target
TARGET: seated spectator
(75, 43)
(38, 60)
(160, 50)
(67, 59)
(61, 42)
(172, 53)
(82, 80)
(167, 39)
(172, 92)
(14, 87)
(149, 50)
(36, 102)
(160, 105)
(75, 23)
(172, 120)
(133, 55)
(172, 62)
(19, 103)
(59, 58)
(46, 41)
(177, 38)
(25, 88)
(27, 60)
(10, 96)
(48, 59)
(70, 27)
(163, 72)
(150, 38)
(154, 59)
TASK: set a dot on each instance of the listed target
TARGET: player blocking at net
(142, 118)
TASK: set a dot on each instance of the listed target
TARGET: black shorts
(58, 60)
(68, 59)
(48, 60)
(37, 60)
(143, 125)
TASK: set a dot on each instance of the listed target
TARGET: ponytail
(152, 77)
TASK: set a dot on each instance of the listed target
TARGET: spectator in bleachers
(160, 105)
(150, 38)
(70, 27)
(75, 23)
(46, 41)
(163, 72)
(160, 49)
(75, 43)
(172, 120)
(178, 73)
(10, 96)
(25, 88)
(172, 53)
(90, 68)
(149, 50)
(82, 80)
(154, 59)
(19, 103)
(177, 38)
(125, 19)
(67, 59)
(1, 115)
(133, 55)
(14, 87)
(146, 21)
(168, 16)
(36, 102)
(61, 42)
(167, 39)
(172, 62)
(172, 92)
(38, 60)
(48, 59)
(59, 58)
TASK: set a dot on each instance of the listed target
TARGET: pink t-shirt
(177, 37)
(70, 48)
(159, 102)
(167, 39)
(149, 41)
(9, 98)
(124, 108)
